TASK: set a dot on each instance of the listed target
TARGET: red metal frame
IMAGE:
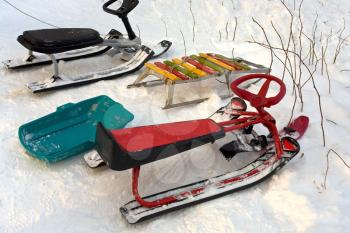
(255, 118)
(259, 101)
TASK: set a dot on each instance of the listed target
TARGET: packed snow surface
(71, 197)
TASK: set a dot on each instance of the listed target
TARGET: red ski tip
(299, 125)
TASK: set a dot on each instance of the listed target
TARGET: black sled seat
(131, 147)
(58, 40)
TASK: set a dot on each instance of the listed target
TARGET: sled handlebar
(122, 12)
(259, 100)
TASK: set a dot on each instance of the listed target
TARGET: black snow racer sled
(77, 43)
(132, 147)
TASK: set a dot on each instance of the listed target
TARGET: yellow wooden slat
(160, 71)
(223, 65)
(189, 67)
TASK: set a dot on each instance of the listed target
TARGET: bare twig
(138, 29)
(339, 47)
(310, 53)
(327, 169)
(300, 50)
(267, 40)
(234, 32)
(292, 112)
(331, 121)
(289, 51)
(289, 39)
(322, 59)
(320, 108)
(340, 41)
(184, 42)
(285, 50)
(226, 28)
(220, 81)
(166, 28)
(194, 22)
(314, 29)
(295, 68)
(325, 61)
(311, 77)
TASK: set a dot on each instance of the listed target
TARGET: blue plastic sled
(71, 130)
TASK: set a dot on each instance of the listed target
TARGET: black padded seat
(59, 40)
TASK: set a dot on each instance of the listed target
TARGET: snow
(70, 197)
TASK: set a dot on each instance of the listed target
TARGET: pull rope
(31, 16)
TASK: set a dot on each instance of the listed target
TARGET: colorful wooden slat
(235, 61)
(226, 61)
(181, 69)
(171, 70)
(223, 65)
(190, 67)
(162, 72)
(208, 63)
(200, 65)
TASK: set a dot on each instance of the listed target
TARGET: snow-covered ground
(70, 197)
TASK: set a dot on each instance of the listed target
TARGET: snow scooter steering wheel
(259, 101)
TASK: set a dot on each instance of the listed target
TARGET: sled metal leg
(227, 82)
(169, 90)
(147, 72)
(55, 65)
(142, 76)
(161, 201)
(30, 56)
(138, 198)
(169, 102)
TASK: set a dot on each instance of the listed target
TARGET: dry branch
(267, 40)
(325, 61)
(184, 42)
(234, 32)
(226, 29)
(327, 169)
(166, 28)
(194, 21)
(300, 88)
(139, 32)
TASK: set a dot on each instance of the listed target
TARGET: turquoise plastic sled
(71, 129)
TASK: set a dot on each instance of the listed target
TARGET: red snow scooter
(132, 147)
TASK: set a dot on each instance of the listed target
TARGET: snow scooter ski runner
(132, 147)
(76, 43)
